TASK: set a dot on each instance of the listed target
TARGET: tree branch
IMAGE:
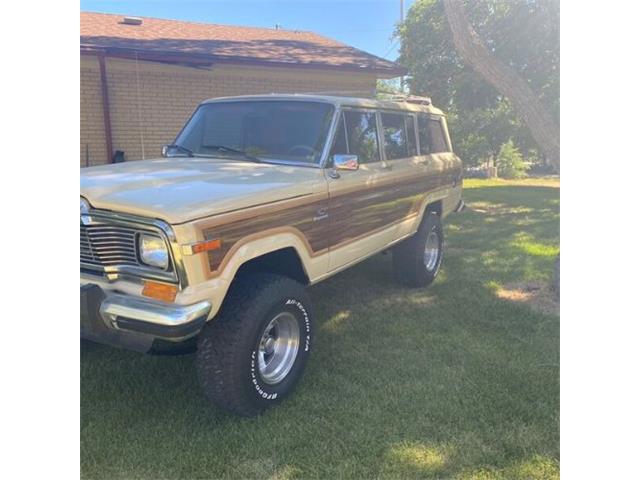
(473, 51)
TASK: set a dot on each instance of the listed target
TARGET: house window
(395, 135)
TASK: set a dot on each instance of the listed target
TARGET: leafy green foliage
(510, 162)
(523, 34)
(386, 87)
(479, 133)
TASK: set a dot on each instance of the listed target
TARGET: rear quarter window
(432, 136)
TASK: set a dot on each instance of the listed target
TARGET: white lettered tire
(253, 353)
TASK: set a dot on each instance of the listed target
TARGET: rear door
(398, 131)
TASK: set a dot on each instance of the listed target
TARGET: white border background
(40, 353)
(600, 314)
(39, 362)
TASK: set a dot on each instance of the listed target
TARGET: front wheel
(254, 353)
(417, 260)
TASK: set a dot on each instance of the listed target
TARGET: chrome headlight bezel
(84, 206)
(153, 251)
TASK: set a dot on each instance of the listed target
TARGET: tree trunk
(505, 80)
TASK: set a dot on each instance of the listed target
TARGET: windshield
(258, 130)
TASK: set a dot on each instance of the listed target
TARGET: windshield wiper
(180, 148)
(224, 148)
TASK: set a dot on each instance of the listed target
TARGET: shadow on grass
(449, 381)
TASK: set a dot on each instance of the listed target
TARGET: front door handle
(386, 166)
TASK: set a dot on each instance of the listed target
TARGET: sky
(364, 24)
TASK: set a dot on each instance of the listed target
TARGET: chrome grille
(108, 245)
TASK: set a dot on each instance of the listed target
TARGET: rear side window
(395, 135)
(423, 135)
(431, 134)
(411, 135)
(362, 137)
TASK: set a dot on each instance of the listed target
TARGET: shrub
(510, 162)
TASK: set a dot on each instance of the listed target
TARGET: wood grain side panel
(354, 214)
(351, 215)
(302, 218)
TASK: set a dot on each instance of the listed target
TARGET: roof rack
(404, 97)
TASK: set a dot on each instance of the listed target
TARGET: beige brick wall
(150, 102)
(92, 136)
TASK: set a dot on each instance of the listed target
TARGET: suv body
(259, 196)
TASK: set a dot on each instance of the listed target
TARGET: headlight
(153, 251)
(84, 206)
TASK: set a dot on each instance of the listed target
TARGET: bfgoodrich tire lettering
(231, 347)
(417, 260)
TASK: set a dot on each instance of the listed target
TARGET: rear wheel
(417, 260)
(254, 353)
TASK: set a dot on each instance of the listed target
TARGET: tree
(388, 87)
(522, 34)
(510, 162)
(483, 131)
(471, 48)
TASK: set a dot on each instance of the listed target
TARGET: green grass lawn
(453, 381)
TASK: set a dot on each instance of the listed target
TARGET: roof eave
(200, 59)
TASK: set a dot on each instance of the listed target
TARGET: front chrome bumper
(125, 312)
(134, 322)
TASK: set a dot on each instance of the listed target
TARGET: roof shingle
(227, 43)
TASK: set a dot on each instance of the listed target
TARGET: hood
(178, 190)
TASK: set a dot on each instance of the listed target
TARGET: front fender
(213, 285)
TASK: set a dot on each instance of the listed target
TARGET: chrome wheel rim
(278, 348)
(431, 251)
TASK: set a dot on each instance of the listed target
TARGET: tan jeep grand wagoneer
(211, 246)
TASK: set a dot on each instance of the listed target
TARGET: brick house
(141, 78)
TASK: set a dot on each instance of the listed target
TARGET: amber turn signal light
(207, 245)
(160, 291)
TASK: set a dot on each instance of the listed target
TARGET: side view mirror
(345, 162)
(175, 150)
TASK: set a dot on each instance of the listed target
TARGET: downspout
(106, 113)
